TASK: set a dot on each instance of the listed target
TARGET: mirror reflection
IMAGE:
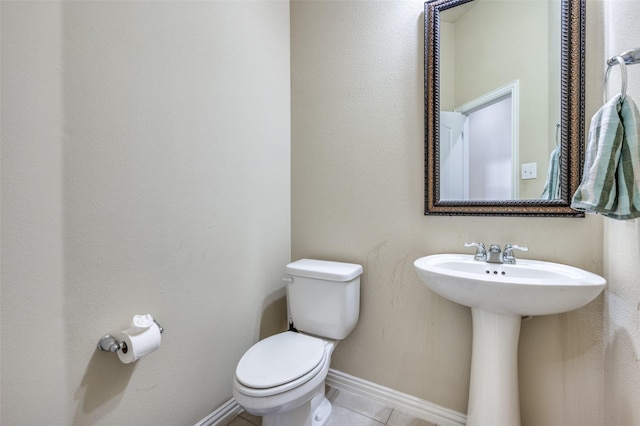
(504, 106)
(499, 100)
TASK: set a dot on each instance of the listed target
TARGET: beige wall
(357, 173)
(145, 169)
(622, 250)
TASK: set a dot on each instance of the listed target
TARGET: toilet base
(315, 412)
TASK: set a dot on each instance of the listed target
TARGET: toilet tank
(324, 297)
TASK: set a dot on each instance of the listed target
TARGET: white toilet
(281, 378)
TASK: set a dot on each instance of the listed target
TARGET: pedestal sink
(499, 295)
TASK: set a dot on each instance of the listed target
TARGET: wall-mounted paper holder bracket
(108, 343)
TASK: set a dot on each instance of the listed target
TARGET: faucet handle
(507, 255)
(481, 251)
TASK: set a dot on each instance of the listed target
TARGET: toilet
(281, 378)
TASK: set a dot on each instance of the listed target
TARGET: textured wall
(357, 182)
(622, 249)
(145, 169)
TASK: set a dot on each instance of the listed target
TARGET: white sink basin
(529, 287)
(499, 295)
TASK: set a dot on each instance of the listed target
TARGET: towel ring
(623, 75)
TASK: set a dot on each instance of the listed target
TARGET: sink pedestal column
(493, 392)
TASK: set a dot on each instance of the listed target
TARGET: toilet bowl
(282, 378)
(264, 386)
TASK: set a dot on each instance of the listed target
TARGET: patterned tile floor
(350, 409)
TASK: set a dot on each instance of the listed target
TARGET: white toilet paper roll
(137, 345)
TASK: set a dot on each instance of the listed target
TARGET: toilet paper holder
(108, 343)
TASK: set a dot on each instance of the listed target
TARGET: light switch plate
(529, 171)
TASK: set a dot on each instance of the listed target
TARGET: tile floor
(350, 409)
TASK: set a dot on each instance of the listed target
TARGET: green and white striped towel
(551, 190)
(611, 179)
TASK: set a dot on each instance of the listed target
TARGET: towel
(551, 189)
(611, 179)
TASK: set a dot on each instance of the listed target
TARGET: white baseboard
(408, 404)
(223, 415)
(401, 401)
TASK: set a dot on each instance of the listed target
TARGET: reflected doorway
(478, 148)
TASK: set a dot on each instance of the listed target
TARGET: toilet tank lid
(324, 269)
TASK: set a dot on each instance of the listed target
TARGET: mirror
(504, 106)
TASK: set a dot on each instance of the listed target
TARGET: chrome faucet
(493, 255)
(507, 255)
(481, 252)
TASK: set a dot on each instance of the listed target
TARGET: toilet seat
(280, 363)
